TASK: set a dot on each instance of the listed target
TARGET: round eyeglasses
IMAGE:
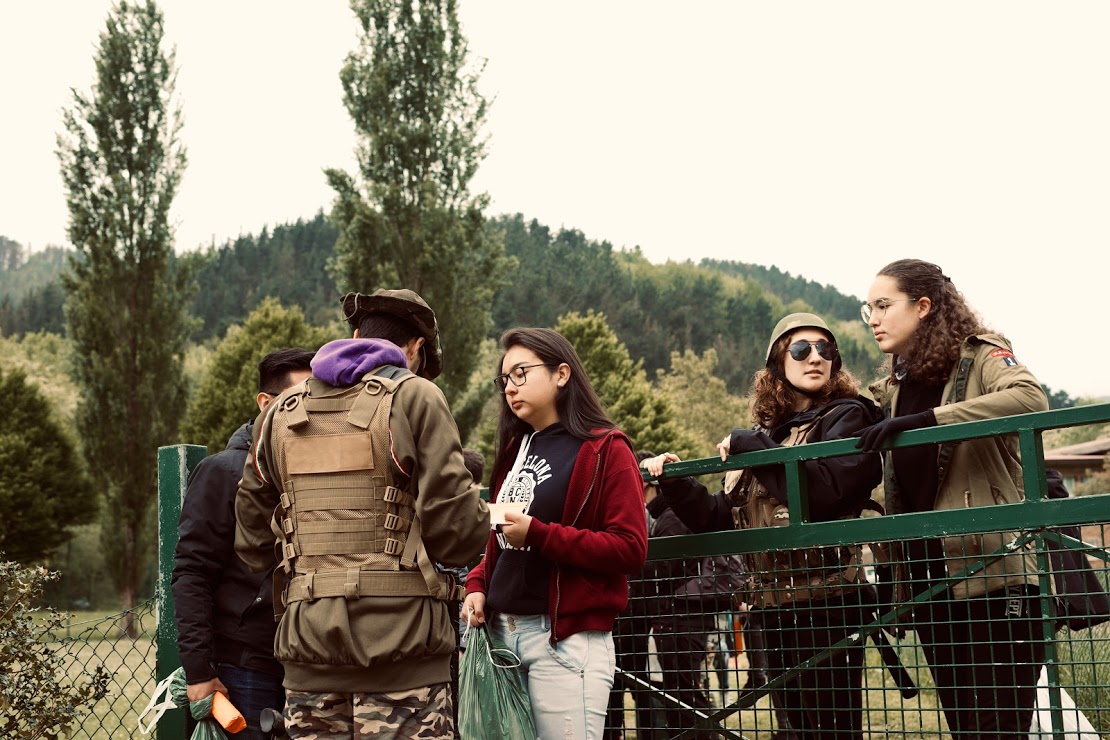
(517, 376)
(878, 310)
(802, 349)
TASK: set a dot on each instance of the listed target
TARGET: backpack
(1081, 601)
(719, 578)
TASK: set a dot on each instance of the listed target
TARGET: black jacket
(224, 611)
(838, 486)
(654, 592)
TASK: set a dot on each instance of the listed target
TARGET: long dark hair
(579, 408)
(772, 399)
(935, 346)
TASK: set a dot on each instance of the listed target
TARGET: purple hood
(344, 361)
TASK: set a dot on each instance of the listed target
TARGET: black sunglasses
(800, 350)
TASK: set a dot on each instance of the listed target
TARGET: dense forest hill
(825, 300)
(289, 263)
(660, 309)
(30, 292)
(654, 309)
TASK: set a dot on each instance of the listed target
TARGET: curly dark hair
(935, 346)
(773, 400)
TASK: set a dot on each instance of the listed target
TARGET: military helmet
(407, 306)
(801, 321)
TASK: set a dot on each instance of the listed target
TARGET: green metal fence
(664, 701)
(710, 642)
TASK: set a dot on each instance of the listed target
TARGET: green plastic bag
(493, 703)
(173, 690)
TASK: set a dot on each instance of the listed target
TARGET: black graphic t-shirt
(520, 578)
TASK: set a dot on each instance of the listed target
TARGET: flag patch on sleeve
(1007, 356)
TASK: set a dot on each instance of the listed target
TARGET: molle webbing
(345, 527)
(355, 583)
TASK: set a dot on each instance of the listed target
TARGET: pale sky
(827, 139)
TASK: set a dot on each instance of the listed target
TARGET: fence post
(174, 466)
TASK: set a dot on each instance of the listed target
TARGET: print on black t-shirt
(520, 578)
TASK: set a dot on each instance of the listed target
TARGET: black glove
(872, 437)
(749, 440)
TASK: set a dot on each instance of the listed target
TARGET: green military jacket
(987, 383)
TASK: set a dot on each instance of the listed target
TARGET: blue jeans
(568, 684)
(251, 692)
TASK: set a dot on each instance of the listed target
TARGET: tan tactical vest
(787, 577)
(345, 525)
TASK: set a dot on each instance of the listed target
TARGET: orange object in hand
(224, 712)
(737, 634)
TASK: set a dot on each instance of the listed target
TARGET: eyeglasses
(801, 349)
(880, 307)
(517, 375)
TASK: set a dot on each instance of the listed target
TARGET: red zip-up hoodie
(601, 540)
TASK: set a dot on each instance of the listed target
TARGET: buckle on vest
(350, 587)
(287, 525)
(285, 501)
(392, 523)
(392, 495)
(309, 582)
(393, 547)
(289, 551)
(297, 415)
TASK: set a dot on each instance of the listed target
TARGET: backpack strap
(958, 393)
(366, 407)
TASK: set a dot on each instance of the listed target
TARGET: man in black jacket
(225, 618)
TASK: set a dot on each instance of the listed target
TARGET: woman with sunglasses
(982, 636)
(803, 600)
(555, 576)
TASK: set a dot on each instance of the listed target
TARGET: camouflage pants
(416, 713)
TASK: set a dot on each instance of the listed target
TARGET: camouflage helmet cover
(406, 305)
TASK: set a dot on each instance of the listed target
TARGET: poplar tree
(409, 220)
(121, 163)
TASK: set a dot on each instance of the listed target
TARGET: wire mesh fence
(123, 645)
(805, 621)
(969, 636)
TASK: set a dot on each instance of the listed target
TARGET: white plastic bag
(1075, 723)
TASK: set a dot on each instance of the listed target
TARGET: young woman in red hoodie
(555, 576)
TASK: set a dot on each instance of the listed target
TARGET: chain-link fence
(123, 645)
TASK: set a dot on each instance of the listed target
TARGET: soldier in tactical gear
(356, 483)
